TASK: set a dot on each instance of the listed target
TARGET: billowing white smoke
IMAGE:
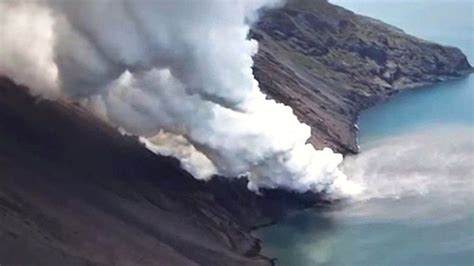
(178, 73)
(26, 46)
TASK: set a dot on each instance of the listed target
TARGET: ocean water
(416, 163)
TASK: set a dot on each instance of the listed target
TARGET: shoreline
(329, 64)
(382, 100)
(408, 88)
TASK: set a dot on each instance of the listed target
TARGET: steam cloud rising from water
(430, 170)
(178, 73)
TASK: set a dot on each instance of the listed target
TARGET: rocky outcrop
(329, 64)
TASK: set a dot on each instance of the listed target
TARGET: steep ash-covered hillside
(74, 191)
(329, 64)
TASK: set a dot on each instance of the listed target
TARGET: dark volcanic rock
(329, 63)
(73, 191)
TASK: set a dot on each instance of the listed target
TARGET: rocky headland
(329, 64)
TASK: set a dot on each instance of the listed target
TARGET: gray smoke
(178, 73)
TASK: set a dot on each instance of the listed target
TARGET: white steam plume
(430, 170)
(177, 69)
(26, 46)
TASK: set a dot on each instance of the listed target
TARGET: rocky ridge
(329, 64)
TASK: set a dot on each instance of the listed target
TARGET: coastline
(273, 45)
(410, 87)
(380, 101)
(329, 64)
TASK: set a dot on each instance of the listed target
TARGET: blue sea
(416, 163)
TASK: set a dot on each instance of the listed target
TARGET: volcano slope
(74, 191)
